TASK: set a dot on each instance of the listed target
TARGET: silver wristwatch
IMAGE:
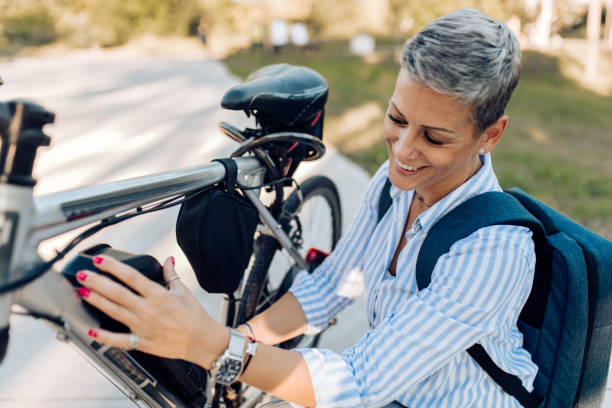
(228, 366)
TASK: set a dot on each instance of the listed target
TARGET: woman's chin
(405, 179)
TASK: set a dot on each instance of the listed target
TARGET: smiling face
(433, 145)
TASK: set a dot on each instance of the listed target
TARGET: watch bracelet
(234, 352)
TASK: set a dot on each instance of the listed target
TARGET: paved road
(121, 115)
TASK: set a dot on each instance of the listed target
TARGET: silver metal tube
(253, 399)
(52, 295)
(89, 204)
(276, 228)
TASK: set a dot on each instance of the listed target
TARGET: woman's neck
(430, 196)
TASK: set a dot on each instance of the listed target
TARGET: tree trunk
(593, 33)
(541, 36)
(594, 20)
(608, 26)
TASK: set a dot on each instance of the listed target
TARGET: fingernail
(172, 259)
(80, 275)
(92, 333)
(97, 259)
(83, 292)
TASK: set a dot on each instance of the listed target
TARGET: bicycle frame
(25, 221)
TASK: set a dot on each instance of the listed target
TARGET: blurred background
(558, 146)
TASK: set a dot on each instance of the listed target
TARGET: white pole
(593, 32)
(541, 36)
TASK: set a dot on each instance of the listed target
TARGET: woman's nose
(405, 146)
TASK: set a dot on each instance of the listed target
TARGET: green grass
(558, 145)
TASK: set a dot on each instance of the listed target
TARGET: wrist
(218, 341)
(242, 329)
(227, 368)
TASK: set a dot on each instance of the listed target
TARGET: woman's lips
(404, 171)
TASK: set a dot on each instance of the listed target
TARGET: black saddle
(281, 95)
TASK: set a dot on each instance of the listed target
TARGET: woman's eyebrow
(397, 110)
(437, 128)
(423, 126)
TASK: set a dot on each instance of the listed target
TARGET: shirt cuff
(332, 379)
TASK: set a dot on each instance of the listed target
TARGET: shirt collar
(484, 180)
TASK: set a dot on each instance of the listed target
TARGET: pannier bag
(215, 230)
(567, 319)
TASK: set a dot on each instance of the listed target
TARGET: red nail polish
(83, 292)
(92, 333)
(172, 259)
(97, 259)
(80, 275)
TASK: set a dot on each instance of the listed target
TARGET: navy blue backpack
(567, 319)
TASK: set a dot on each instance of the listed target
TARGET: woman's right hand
(168, 322)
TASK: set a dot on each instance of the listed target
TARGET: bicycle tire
(258, 294)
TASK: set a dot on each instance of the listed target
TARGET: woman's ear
(492, 135)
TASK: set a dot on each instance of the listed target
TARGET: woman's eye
(431, 140)
(396, 119)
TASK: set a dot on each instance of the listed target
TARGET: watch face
(228, 371)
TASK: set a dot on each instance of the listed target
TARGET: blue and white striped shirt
(414, 351)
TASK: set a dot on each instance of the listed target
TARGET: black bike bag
(215, 230)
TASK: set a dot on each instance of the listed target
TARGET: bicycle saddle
(284, 93)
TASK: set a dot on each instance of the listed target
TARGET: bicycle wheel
(316, 224)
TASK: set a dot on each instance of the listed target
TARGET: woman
(445, 115)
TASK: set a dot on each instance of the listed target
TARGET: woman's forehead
(419, 102)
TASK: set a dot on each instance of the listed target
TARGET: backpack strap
(231, 173)
(384, 201)
(491, 208)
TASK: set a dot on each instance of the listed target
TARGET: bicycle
(273, 151)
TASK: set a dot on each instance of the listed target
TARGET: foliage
(118, 20)
(105, 22)
(113, 22)
(30, 24)
(420, 16)
(332, 17)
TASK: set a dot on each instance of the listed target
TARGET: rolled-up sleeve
(476, 288)
(323, 293)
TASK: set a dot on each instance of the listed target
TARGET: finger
(170, 276)
(128, 275)
(109, 289)
(121, 340)
(112, 309)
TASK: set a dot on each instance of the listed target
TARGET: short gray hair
(470, 56)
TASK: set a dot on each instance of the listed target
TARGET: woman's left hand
(169, 322)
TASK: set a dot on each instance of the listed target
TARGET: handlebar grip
(4, 339)
(21, 124)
